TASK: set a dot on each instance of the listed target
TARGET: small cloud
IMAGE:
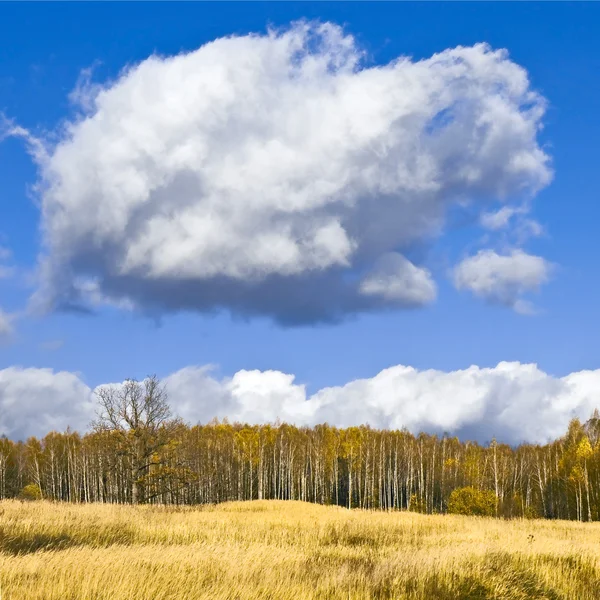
(500, 219)
(524, 307)
(396, 280)
(36, 147)
(91, 294)
(503, 279)
(84, 94)
(528, 228)
(514, 220)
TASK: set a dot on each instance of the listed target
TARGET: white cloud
(85, 91)
(513, 223)
(500, 219)
(395, 279)
(266, 174)
(37, 401)
(90, 291)
(503, 279)
(527, 228)
(474, 403)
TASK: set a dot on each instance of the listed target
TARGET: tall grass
(287, 550)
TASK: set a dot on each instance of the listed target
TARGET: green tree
(31, 491)
(471, 501)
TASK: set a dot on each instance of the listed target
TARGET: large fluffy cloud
(503, 278)
(513, 402)
(36, 401)
(474, 403)
(271, 174)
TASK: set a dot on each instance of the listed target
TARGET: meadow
(287, 550)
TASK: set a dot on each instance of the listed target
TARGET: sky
(377, 213)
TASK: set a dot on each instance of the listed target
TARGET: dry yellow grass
(286, 550)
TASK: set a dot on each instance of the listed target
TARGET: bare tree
(138, 415)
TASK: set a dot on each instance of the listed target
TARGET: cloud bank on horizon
(513, 402)
(279, 175)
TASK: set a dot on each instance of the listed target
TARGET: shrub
(471, 501)
(31, 492)
(531, 512)
(417, 504)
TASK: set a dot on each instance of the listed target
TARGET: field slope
(286, 550)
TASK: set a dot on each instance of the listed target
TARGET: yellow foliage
(474, 502)
(584, 449)
(31, 492)
(577, 475)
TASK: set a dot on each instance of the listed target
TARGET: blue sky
(45, 48)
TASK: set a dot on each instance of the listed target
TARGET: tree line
(137, 452)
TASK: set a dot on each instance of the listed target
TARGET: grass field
(286, 550)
